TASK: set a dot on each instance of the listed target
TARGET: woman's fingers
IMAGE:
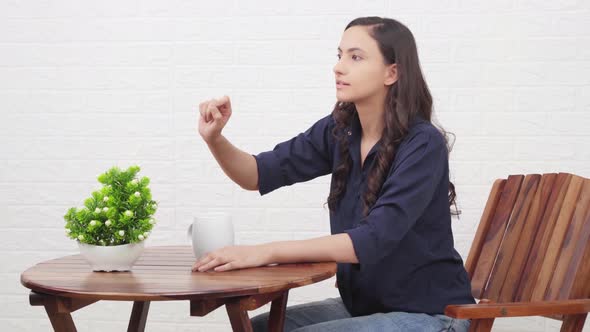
(210, 109)
(216, 114)
(225, 267)
(213, 263)
(223, 101)
(213, 111)
(203, 109)
(202, 260)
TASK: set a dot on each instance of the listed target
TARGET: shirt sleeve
(302, 158)
(405, 194)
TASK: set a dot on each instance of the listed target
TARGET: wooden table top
(164, 273)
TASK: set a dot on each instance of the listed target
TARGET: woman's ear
(391, 74)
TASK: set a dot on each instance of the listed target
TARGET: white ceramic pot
(111, 258)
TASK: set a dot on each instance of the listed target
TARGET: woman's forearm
(332, 248)
(238, 165)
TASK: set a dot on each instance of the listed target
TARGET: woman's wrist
(268, 250)
(213, 141)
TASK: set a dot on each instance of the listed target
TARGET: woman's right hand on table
(214, 115)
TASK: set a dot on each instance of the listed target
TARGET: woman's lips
(340, 85)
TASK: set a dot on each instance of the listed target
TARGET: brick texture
(85, 85)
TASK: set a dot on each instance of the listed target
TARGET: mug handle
(189, 232)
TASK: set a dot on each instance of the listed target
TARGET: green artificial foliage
(118, 213)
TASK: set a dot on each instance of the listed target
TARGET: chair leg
(138, 316)
(481, 325)
(573, 323)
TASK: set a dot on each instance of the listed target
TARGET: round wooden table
(163, 273)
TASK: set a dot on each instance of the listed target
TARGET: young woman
(389, 198)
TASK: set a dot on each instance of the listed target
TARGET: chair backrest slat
(532, 243)
(486, 219)
(536, 254)
(516, 269)
(495, 234)
(556, 240)
(574, 245)
(581, 286)
(507, 252)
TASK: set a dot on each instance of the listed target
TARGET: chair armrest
(518, 309)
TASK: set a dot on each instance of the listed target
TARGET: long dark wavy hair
(407, 98)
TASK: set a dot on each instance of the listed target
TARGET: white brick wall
(85, 85)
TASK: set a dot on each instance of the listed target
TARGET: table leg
(61, 321)
(238, 317)
(278, 308)
(237, 310)
(58, 309)
(138, 316)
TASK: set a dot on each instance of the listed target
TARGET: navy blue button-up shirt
(407, 260)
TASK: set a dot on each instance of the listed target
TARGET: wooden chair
(531, 252)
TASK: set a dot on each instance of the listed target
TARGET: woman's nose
(338, 68)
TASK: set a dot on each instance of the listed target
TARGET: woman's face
(361, 67)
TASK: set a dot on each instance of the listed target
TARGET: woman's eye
(354, 57)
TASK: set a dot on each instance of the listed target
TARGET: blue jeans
(331, 315)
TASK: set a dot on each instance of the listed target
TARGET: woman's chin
(343, 98)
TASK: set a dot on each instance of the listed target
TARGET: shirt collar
(355, 132)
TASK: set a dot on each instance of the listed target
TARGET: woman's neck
(371, 119)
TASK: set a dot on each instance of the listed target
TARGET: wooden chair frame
(531, 252)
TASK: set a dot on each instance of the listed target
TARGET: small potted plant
(115, 221)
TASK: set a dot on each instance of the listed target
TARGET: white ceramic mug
(210, 231)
